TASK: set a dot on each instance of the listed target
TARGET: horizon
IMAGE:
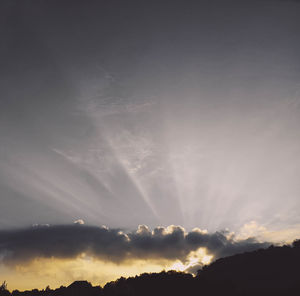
(294, 246)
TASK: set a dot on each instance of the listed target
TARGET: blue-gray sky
(150, 112)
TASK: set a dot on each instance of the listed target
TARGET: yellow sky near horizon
(54, 272)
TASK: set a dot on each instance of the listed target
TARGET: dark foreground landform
(271, 271)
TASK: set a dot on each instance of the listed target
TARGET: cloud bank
(115, 245)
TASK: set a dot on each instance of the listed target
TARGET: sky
(169, 129)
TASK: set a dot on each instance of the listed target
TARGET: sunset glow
(142, 136)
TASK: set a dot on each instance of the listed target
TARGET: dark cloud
(69, 241)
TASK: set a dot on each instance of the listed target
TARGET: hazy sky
(123, 113)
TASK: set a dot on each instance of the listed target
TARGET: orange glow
(56, 272)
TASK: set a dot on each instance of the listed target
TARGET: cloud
(115, 245)
(79, 221)
(280, 236)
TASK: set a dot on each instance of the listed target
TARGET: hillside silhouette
(271, 271)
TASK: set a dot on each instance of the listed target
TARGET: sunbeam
(126, 127)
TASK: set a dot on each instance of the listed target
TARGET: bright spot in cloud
(194, 259)
(79, 221)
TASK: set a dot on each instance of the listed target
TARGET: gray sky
(150, 112)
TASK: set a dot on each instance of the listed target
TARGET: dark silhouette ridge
(271, 271)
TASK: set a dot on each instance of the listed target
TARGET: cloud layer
(70, 241)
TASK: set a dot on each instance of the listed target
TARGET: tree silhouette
(3, 289)
(3, 286)
(296, 243)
